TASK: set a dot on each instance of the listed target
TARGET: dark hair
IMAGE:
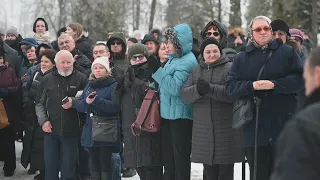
(40, 19)
(61, 30)
(102, 44)
(30, 46)
(134, 40)
(49, 53)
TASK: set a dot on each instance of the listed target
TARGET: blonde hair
(77, 28)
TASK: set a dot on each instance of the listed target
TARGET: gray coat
(214, 141)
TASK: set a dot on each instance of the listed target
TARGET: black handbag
(243, 108)
(104, 129)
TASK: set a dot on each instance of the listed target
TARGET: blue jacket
(173, 76)
(102, 106)
(284, 69)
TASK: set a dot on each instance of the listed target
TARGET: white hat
(104, 61)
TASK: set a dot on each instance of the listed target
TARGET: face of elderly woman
(261, 32)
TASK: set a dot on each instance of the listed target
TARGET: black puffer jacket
(144, 150)
(82, 62)
(33, 139)
(53, 89)
(83, 45)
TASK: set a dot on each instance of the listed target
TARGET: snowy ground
(196, 174)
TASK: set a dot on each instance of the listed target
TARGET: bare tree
(152, 14)
(235, 13)
(219, 10)
(315, 27)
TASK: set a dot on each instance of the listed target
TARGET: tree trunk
(315, 27)
(152, 13)
(137, 14)
(235, 14)
(219, 10)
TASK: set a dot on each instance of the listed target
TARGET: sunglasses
(115, 43)
(216, 34)
(280, 33)
(259, 29)
(139, 57)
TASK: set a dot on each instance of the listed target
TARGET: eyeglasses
(216, 34)
(115, 43)
(259, 29)
(280, 33)
(139, 57)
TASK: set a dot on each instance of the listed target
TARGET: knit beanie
(104, 61)
(280, 24)
(13, 30)
(149, 37)
(297, 34)
(35, 24)
(207, 41)
(138, 48)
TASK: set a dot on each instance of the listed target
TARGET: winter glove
(3, 92)
(203, 87)
(120, 80)
(153, 63)
(131, 74)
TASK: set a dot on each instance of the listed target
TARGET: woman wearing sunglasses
(141, 152)
(218, 31)
(277, 86)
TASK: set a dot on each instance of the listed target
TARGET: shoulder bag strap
(264, 64)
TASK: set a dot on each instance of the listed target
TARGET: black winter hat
(207, 41)
(134, 40)
(280, 24)
(41, 19)
(149, 37)
(138, 48)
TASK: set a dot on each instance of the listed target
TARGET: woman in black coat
(277, 87)
(33, 140)
(215, 143)
(9, 88)
(141, 152)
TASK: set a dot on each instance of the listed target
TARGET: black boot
(106, 175)
(31, 171)
(40, 176)
(8, 173)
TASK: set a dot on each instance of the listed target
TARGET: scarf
(43, 38)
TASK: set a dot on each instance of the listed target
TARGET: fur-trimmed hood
(236, 29)
(222, 30)
(181, 37)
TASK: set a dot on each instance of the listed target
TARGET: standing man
(58, 117)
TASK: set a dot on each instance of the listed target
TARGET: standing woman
(82, 44)
(101, 83)
(33, 139)
(9, 88)
(140, 152)
(177, 115)
(215, 143)
(41, 30)
(277, 86)
(163, 53)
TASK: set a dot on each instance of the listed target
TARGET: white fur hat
(104, 61)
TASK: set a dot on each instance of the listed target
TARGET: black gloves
(203, 87)
(131, 74)
(153, 63)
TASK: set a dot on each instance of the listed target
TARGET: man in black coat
(82, 63)
(297, 149)
(58, 117)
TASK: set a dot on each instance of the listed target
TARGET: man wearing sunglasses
(117, 46)
(219, 32)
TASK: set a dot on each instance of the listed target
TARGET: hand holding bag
(148, 118)
(4, 121)
(244, 107)
(104, 129)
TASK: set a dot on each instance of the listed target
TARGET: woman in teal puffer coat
(177, 116)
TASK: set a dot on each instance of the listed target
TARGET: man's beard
(64, 73)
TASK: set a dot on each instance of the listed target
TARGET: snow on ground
(196, 170)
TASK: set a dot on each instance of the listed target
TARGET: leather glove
(153, 63)
(203, 87)
(131, 74)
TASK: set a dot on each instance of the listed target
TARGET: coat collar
(313, 98)
(275, 44)
(222, 60)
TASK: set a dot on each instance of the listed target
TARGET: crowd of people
(56, 93)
